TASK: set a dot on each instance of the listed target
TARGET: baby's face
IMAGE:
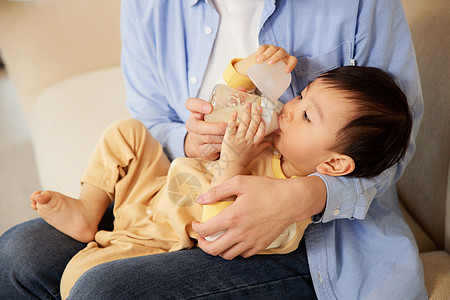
(308, 127)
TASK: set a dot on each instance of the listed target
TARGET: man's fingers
(222, 191)
(212, 139)
(249, 252)
(234, 251)
(221, 247)
(197, 105)
(202, 127)
(206, 146)
(225, 246)
(203, 140)
(209, 247)
(209, 227)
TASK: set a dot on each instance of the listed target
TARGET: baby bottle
(271, 80)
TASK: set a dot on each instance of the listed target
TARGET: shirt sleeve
(146, 98)
(382, 40)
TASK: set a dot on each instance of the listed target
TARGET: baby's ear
(337, 165)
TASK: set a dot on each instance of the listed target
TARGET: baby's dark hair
(378, 136)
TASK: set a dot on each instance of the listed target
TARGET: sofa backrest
(425, 187)
(58, 39)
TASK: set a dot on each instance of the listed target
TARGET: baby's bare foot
(66, 214)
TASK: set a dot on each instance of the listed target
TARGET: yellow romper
(154, 202)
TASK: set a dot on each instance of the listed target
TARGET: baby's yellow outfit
(154, 202)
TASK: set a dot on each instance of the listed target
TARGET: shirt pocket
(310, 67)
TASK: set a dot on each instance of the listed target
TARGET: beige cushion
(68, 119)
(436, 266)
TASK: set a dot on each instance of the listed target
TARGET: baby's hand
(273, 54)
(243, 142)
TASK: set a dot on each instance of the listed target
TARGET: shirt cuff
(175, 145)
(234, 79)
(338, 205)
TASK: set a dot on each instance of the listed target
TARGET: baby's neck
(286, 168)
(289, 171)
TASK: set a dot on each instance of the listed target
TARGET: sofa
(63, 58)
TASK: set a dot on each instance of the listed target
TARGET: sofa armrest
(45, 41)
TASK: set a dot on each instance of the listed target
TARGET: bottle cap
(271, 80)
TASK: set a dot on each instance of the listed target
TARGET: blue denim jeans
(33, 256)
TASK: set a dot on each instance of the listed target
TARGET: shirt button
(193, 80)
(208, 30)
(149, 211)
(319, 276)
(336, 212)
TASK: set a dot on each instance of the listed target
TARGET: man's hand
(203, 139)
(264, 207)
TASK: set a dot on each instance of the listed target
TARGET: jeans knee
(33, 256)
(14, 250)
(18, 267)
(91, 285)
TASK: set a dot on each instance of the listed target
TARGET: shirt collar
(193, 2)
(269, 3)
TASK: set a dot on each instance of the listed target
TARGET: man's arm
(146, 99)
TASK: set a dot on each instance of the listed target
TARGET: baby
(351, 121)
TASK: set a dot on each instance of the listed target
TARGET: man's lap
(195, 274)
(36, 250)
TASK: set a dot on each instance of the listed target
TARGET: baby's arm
(242, 143)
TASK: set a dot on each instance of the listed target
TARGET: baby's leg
(78, 218)
(126, 159)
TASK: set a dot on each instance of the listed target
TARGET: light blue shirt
(360, 248)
